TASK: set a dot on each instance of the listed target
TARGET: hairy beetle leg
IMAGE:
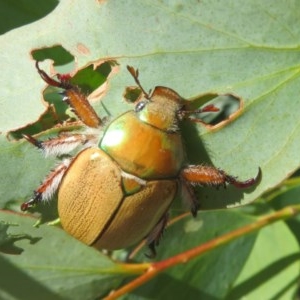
(48, 187)
(63, 144)
(211, 176)
(208, 176)
(73, 96)
(155, 235)
(81, 107)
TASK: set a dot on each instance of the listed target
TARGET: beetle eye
(140, 105)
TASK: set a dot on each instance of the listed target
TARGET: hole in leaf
(228, 104)
(7, 245)
(132, 94)
(57, 53)
(47, 120)
(88, 79)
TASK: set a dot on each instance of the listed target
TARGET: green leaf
(52, 265)
(248, 48)
(289, 195)
(262, 265)
(14, 14)
(272, 269)
(206, 277)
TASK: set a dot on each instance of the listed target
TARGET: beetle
(119, 186)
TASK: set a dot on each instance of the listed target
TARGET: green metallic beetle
(118, 188)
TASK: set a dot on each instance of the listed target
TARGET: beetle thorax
(143, 150)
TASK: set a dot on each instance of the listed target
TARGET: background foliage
(247, 48)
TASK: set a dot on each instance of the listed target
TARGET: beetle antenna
(135, 74)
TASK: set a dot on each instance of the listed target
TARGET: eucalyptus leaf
(250, 49)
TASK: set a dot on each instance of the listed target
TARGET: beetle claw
(30, 203)
(247, 183)
(33, 141)
(152, 249)
(155, 235)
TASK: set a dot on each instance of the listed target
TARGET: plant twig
(186, 256)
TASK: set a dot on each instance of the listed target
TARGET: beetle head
(160, 109)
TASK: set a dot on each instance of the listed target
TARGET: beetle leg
(48, 187)
(81, 107)
(155, 235)
(208, 175)
(63, 144)
(74, 97)
(189, 197)
(184, 113)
